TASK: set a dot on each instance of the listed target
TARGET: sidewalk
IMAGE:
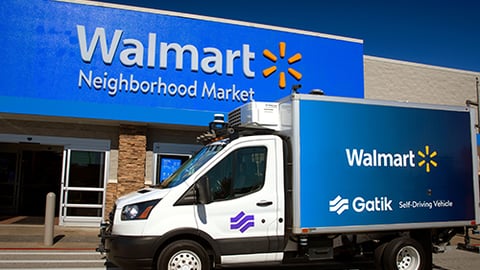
(31, 237)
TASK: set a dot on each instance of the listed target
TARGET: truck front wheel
(183, 254)
(404, 254)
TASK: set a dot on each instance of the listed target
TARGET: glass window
(84, 192)
(192, 165)
(168, 164)
(87, 169)
(240, 173)
(168, 158)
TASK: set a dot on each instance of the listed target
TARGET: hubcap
(185, 260)
(408, 258)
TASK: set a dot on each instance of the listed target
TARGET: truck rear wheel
(183, 254)
(378, 256)
(404, 254)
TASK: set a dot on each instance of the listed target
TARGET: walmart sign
(80, 59)
(360, 157)
(133, 55)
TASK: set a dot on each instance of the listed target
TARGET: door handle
(263, 203)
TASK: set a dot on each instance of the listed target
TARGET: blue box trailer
(363, 165)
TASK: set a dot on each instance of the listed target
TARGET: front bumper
(105, 232)
(128, 252)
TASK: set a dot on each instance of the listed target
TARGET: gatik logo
(338, 205)
(360, 204)
(242, 222)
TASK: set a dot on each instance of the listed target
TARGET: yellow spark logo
(427, 158)
(272, 57)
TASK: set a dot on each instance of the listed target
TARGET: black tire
(404, 254)
(378, 256)
(183, 253)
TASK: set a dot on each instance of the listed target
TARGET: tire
(183, 254)
(378, 256)
(404, 254)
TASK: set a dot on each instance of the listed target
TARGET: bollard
(49, 219)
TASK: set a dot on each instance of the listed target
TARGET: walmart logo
(427, 158)
(362, 158)
(282, 81)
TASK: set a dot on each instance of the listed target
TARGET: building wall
(388, 79)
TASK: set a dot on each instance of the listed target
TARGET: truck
(308, 179)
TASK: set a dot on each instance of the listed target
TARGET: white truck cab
(226, 195)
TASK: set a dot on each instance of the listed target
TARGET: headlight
(138, 211)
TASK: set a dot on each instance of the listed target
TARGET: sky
(443, 33)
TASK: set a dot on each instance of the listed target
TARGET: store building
(94, 106)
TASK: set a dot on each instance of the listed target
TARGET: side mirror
(197, 194)
(203, 191)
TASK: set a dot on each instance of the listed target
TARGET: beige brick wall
(388, 79)
(132, 144)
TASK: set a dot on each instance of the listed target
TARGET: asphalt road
(452, 259)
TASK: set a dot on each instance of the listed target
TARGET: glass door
(83, 187)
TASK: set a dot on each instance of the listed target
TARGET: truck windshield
(192, 165)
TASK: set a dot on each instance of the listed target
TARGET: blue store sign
(102, 62)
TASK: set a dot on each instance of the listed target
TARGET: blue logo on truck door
(242, 222)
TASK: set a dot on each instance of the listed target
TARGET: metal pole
(49, 219)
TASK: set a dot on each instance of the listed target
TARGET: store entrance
(28, 172)
(75, 169)
(83, 196)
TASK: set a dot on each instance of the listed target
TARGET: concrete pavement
(32, 237)
(22, 247)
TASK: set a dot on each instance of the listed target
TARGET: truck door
(245, 210)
